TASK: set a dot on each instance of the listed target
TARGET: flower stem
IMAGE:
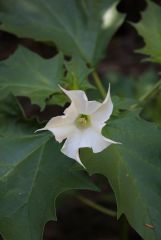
(99, 83)
(97, 207)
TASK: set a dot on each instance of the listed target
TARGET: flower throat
(82, 121)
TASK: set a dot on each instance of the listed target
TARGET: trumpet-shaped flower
(81, 124)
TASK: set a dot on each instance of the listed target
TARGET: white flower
(81, 124)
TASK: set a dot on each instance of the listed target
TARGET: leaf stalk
(97, 206)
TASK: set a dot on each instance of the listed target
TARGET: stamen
(82, 121)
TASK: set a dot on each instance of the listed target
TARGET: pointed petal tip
(63, 89)
(76, 157)
(79, 161)
(38, 130)
(111, 141)
(108, 92)
(60, 87)
(41, 129)
(116, 142)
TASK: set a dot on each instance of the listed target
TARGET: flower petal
(72, 112)
(92, 138)
(86, 138)
(103, 113)
(78, 98)
(71, 146)
(92, 106)
(61, 127)
(80, 102)
(65, 127)
(62, 133)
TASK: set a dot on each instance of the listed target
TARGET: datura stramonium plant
(81, 124)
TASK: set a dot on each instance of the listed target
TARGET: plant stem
(151, 92)
(143, 99)
(99, 83)
(97, 207)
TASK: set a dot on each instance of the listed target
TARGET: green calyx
(83, 121)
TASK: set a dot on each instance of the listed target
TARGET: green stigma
(83, 121)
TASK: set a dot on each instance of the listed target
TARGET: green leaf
(76, 27)
(12, 118)
(27, 74)
(77, 75)
(150, 29)
(133, 169)
(33, 174)
(122, 104)
(131, 86)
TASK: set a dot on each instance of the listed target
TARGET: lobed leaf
(75, 77)
(27, 74)
(82, 28)
(77, 74)
(133, 170)
(150, 29)
(33, 172)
